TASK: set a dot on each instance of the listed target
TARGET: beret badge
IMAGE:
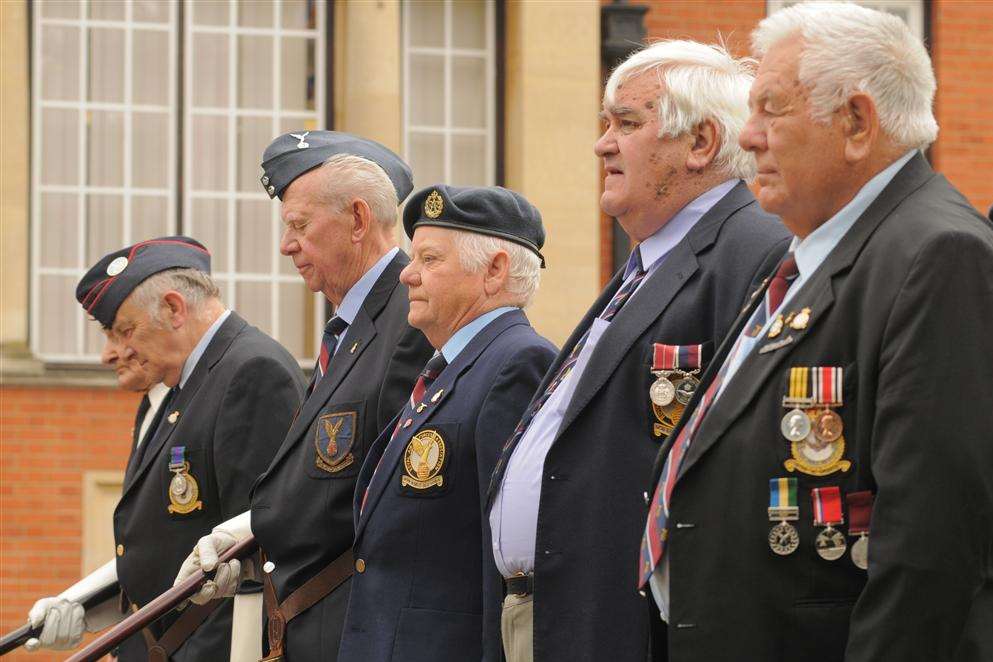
(117, 266)
(434, 205)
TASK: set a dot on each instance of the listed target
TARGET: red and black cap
(109, 282)
(489, 210)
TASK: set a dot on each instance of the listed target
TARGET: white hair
(849, 49)
(700, 81)
(195, 286)
(347, 177)
(476, 250)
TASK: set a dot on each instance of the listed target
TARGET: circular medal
(686, 388)
(830, 544)
(784, 539)
(828, 426)
(860, 552)
(662, 391)
(179, 488)
(795, 425)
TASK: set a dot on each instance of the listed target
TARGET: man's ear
(177, 312)
(362, 220)
(497, 274)
(706, 143)
(860, 127)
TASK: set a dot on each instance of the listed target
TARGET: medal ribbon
(798, 388)
(676, 357)
(827, 505)
(782, 493)
(827, 386)
(177, 457)
(859, 512)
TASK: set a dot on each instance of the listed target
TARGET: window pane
(94, 335)
(104, 226)
(211, 12)
(57, 301)
(59, 230)
(294, 124)
(299, 14)
(254, 134)
(255, 13)
(107, 10)
(209, 154)
(210, 70)
(107, 65)
(151, 11)
(59, 146)
(254, 237)
(427, 90)
(106, 148)
(151, 71)
(297, 74)
(253, 302)
(209, 226)
(60, 9)
(295, 318)
(469, 24)
(60, 61)
(427, 23)
(427, 159)
(469, 161)
(255, 72)
(149, 217)
(469, 92)
(150, 150)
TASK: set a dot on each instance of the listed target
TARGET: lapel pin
(434, 398)
(800, 320)
(355, 346)
(174, 416)
(421, 407)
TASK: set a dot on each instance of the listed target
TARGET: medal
(686, 388)
(795, 425)
(183, 489)
(662, 391)
(811, 425)
(830, 543)
(783, 537)
(860, 513)
(828, 426)
(674, 367)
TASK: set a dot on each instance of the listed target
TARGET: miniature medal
(860, 513)
(830, 543)
(783, 537)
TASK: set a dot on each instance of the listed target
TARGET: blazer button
(360, 566)
(120, 550)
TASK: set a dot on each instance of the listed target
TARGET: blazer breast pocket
(335, 441)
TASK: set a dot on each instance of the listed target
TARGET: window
(150, 118)
(449, 98)
(911, 11)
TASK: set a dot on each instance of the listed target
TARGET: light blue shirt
(514, 516)
(809, 254)
(357, 293)
(463, 336)
(201, 347)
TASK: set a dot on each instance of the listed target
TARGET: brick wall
(48, 438)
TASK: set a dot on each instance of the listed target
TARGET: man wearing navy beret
(233, 392)
(339, 195)
(426, 588)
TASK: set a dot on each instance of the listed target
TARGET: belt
(161, 649)
(520, 584)
(310, 593)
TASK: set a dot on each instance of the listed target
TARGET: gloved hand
(64, 622)
(205, 555)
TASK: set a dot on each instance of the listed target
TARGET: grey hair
(700, 81)
(476, 250)
(196, 287)
(849, 49)
(347, 177)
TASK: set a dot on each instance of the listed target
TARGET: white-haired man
(426, 589)
(339, 197)
(567, 502)
(830, 498)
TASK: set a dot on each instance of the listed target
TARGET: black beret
(489, 210)
(109, 282)
(293, 154)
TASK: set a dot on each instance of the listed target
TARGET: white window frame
(915, 10)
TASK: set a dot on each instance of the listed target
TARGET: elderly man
(566, 504)
(426, 588)
(233, 392)
(339, 206)
(829, 498)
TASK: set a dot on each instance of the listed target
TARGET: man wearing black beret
(233, 391)
(339, 195)
(425, 587)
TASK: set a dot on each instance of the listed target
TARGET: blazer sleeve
(256, 411)
(931, 536)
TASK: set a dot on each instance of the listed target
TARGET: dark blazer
(429, 590)
(302, 505)
(903, 305)
(592, 510)
(235, 406)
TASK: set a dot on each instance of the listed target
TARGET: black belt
(519, 585)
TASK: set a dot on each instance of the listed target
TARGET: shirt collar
(461, 338)
(357, 293)
(816, 246)
(657, 246)
(201, 347)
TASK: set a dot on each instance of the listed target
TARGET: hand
(64, 624)
(204, 557)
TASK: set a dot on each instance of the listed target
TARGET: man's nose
(407, 275)
(751, 137)
(288, 245)
(605, 144)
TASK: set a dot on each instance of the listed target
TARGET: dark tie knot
(434, 367)
(335, 326)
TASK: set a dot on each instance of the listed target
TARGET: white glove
(64, 624)
(204, 557)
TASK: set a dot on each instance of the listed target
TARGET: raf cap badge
(300, 136)
(333, 441)
(423, 460)
(183, 488)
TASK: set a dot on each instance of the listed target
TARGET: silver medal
(685, 390)
(830, 544)
(784, 539)
(795, 425)
(860, 552)
(179, 487)
(662, 391)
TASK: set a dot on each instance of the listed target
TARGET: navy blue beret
(108, 283)
(293, 154)
(489, 210)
